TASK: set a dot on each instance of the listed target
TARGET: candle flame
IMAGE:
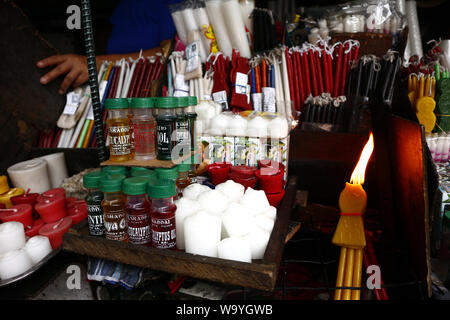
(360, 169)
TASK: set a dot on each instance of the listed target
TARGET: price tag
(181, 86)
(269, 99)
(72, 103)
(192, 57)
(241, 83)
(221, 97)
(257, 101)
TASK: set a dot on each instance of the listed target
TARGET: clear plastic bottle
(118, 129)
(138, 210)
(144, 128)
(162, 213)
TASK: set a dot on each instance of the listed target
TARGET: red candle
(78, 212)
(70, 202)
(244, 172)
(271, 164)
(275, 198)
(246, 182)
(218, 172)
(52, 209)
(55, 192)
(55, 231)
(20, 213)
(270, 179)
(27, 198)
(34, 228)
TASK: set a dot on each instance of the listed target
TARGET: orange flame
(360, 169)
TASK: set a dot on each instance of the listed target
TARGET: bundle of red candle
(49, 214)
(267, 177)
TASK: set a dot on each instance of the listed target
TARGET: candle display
(51, 209)
(37, 248)
(57, 170)
(21, 213)
(12, 236)
(31, 174)
(349, 234)
(5, 198)
(55, 231)
(185, 208)
(14, 263)
(34, 228)
(202, 233)
(235, 248)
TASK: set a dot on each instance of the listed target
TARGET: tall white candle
(213, 7)
(185, 208)
(235, 248)
(37, 248)
(180, 26)
(56, 166)
(12, 236)
(31, 174)
(247, 7)
(14, 263)
(202, 20)
(235, 26)
(202, 232)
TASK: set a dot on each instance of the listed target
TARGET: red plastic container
(270, 179)
(246, 182)
(218, 172)
(55, 231)
(34, 228)
(20, 213)
(52, 209)
(243, 172)
(275, 198)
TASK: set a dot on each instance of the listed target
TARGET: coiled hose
(86, 21)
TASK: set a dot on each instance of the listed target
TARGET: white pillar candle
(202, 233)
(237, 221)
(213, 7)
(37, 248)
(256, 200)
(219, 124)
(271, 213)
(235, 26)
(234, 191)
(193, 191)
(31, 174)
(185, 208)
(57, 169)
(235, 248)
(180, 26)
(14, 263)
(12, 236)
(213, 201)
(264, 222)
(258, 240)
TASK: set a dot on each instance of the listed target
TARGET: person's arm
(75, 66)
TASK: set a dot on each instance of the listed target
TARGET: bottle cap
(166, 102)
(91, 180)
(183, 102)
(184, 167)
(115, 170)
(167, 173)
(147, 174)
(192, 100)
(142, 103)
(116, 103)
(161, 189)
(111, 182)
(135, 186)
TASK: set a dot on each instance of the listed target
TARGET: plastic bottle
(183, 179)
(165, 126)
(148, 174)
(162, 213)
(167, 173)
(94, 198)
(144, 128)
(118, 129)
(182, 135)
(113, 204)
(138, 210)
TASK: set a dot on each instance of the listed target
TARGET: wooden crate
(260, 274)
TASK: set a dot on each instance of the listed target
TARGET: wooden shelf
(155, 163)
(260, 274)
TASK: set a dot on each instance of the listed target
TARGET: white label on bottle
(269, 99)
(221, 97)
(72, 103)
(257, 101)
(241, 83)
(181, 86)
(192, 57)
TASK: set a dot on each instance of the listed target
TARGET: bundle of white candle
(226, 222)
(18, 255)
(439, 145)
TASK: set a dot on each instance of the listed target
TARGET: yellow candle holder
(4, 187)
(6, 197)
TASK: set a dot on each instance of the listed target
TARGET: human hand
(73, 64)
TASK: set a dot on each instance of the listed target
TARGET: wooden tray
(260, 274)
(155, 163)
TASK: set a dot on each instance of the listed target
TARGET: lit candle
(21, 213)
(37, 248)
(31, 174)
(57, 169)
(55, 231)
(12, 236)
(6, 197)
(14, 263)
(34, 228)
(51, 209)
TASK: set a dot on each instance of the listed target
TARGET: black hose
(86, 21)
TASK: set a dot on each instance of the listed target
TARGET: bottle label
(164, 136)
(139, 230)
(163, 233)
(144, 136)
(119, 140)
(116, 225)
(95, 220)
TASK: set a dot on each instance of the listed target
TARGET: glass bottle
(118, 129)
(130, 116)
(94, 198)
(165, 126)
(144, 126)
(183, 179)
(191, 117)
(182, 136)
(138, 210)
(162, 213)
(113, 205)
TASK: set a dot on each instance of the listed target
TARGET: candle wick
(28, 191)
(14, 210)
(59, 222)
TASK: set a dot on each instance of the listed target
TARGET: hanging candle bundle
(214, 10)
(264, 30)
(236, 27)
(240, 93)
(323, 109)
